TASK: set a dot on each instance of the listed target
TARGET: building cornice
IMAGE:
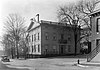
(95, 13)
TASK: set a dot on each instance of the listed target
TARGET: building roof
(97, 6)
(36, 24)
(30, 26)
(96, 9)
(55, 23)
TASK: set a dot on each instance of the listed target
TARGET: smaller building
(52, 38)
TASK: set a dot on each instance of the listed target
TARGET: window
(54, 36)
(98, 25)
(38, 36)
(69, 37)
(62, 36)
(54, 49)
(97, 42)
(46, 36)
(69, 48)
(54, 46)
(46, 46)
(46, 49)
(38, 47)
(34, 48)
(34, 37)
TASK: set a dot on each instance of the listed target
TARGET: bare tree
(23, 43)
(85, 8)
(8, 45)
(15, 27)
(77, 15)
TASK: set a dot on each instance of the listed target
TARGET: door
(61, 49)
(89, 47)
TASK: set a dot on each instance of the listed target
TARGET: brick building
(95, 36)
(95, 22)
(52, 38)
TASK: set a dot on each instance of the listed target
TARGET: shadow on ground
(4, 67)
(67, 56)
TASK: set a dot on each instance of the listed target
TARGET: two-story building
(52, 38)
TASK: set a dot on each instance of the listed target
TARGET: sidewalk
(88, 64)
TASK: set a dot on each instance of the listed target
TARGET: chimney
(37, 17)
(31, 19)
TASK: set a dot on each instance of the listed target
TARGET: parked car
(5, 58)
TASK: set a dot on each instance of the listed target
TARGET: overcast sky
(29, 8)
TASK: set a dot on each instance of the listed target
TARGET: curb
(79, 65)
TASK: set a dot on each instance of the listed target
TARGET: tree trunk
(75, 40)
(17, 50)
(12, 56)
(75, 44)
(17, 53)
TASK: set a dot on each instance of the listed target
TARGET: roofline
(94, 12)
(54, 23)
(32, 28)
(31, 24)
(61, 24)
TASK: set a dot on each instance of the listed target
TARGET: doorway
(61, 49)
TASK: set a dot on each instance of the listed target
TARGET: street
(46, 64)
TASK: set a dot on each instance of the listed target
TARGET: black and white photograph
(49, 34)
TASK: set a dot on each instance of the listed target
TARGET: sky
(29, 8)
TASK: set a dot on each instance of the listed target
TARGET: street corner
(80, 65)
